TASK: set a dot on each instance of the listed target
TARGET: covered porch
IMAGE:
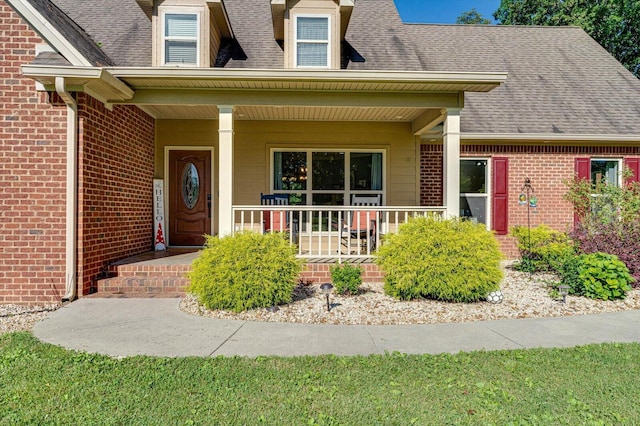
(306, 135)
(247, 124)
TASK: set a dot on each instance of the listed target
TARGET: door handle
(209, 205)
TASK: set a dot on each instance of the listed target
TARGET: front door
(189, 197)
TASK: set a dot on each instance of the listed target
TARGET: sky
(443, 11)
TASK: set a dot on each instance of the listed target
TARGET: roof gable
(62, 33)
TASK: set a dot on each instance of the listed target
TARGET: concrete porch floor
(170, 256)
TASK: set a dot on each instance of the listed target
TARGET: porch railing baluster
(333, 236)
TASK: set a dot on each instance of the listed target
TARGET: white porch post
(225, 170)
(451, 157)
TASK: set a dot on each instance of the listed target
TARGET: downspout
(71, 268)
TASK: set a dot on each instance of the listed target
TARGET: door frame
(169, 148)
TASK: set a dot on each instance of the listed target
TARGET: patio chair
(274, 220)
(361, 225)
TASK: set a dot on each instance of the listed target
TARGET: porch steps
(164, 275)
(148, 275)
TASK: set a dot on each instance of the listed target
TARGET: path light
(564, 290)
(326, 289)
(273, 309)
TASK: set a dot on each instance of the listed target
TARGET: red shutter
(500, 199)
(583, 171)
(583, 168)
(634, 165)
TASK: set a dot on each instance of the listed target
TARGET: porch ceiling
(257, 112)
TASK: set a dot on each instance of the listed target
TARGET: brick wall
(32, 175)
(115, 187)
(546, 166)
(321, 273)
(431, 175)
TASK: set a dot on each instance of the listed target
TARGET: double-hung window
(312, 44)
(180, 39)
(330, 178)
(605, 171)
(474, 181)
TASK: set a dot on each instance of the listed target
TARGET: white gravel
(525, 296)
(22, 318)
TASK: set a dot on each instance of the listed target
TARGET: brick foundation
(320, 273)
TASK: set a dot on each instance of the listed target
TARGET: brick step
(146, 270)
(154, 279)
(142, 286)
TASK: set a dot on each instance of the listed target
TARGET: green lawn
(597, 384)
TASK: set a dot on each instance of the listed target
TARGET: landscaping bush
(609, 219)
(619, 238)
(245, 271)
(547, 250)
(603, 276)
(346, 278)
(450, 260)
(568, 270)
(602, 202)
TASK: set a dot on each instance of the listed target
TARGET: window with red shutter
(634, 165)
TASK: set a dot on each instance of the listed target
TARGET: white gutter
(552, 137)
(308, 75)
(120, 74)
(71, 268)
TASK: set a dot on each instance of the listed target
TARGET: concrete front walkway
(125, 327)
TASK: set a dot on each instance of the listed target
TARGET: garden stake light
(564, 291)
(528, 198)
(326, 289)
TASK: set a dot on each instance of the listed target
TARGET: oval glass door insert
(190, 185)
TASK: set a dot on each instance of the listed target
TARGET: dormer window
(312, 42)
(180, 39)
(189, 33)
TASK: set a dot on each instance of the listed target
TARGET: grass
(44, 384)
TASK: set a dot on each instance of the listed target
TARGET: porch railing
(336, 232)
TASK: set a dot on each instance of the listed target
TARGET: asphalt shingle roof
(559, 79)
(70, 29)
(119, 27)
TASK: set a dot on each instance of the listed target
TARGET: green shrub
(568, 270)
(449, 260)
(245, 271)
(603, 276)
(547, 250)
(346, 278)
